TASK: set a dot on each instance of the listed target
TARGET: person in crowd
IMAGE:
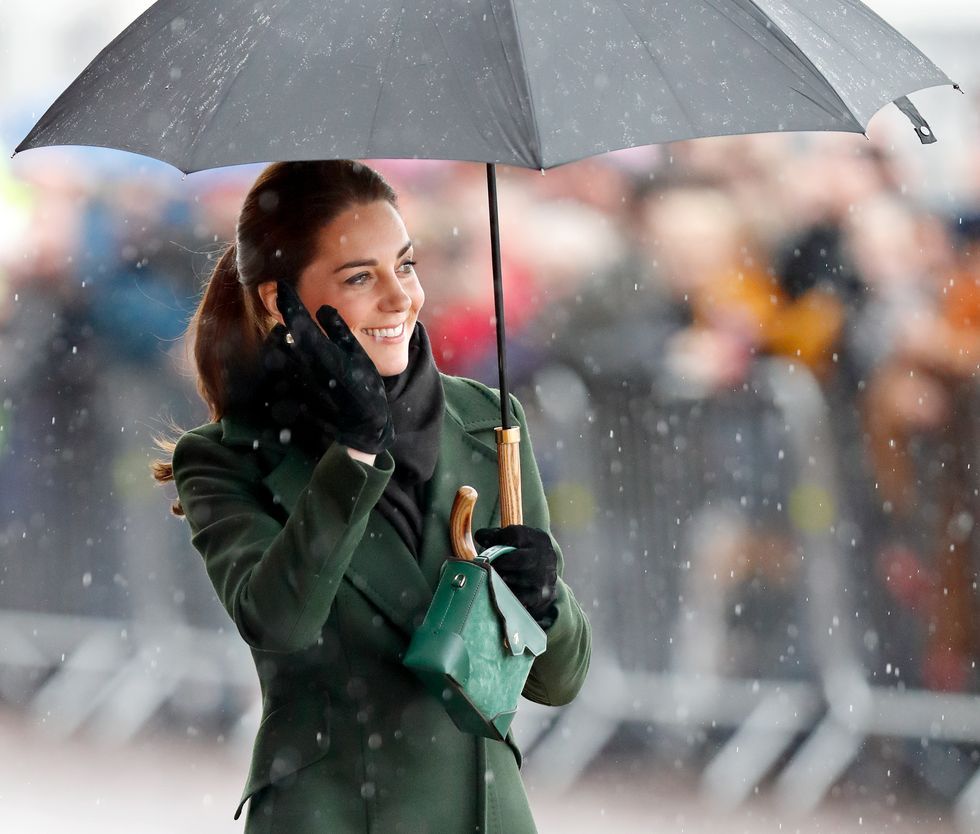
(318, 496)
(918, 337)
(55, 477)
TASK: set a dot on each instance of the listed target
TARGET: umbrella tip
(958, 88)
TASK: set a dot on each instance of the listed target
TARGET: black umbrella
(532, 83)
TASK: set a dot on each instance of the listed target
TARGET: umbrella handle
(509, 475)
(461, 524)
(511, 512)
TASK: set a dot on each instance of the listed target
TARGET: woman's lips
(386, 334)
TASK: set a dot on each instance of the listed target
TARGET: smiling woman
(319, 496)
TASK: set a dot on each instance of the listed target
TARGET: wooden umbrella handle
(509, 474)
(461, 523)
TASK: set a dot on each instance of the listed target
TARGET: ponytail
(227, 331)
(163, 470)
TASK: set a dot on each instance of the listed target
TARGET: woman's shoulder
(200, 437)
(208, 431)
(461, 390)
(232, 431)
(472, 401)
(223, 443)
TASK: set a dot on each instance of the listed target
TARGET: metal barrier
(108, 622)
(113, 678)
(704, 529)
(706, 539)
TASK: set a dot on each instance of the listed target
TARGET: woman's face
(365, 269)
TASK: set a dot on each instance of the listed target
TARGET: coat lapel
(383, 569)
(463, 459)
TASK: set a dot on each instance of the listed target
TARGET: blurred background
(750, 367)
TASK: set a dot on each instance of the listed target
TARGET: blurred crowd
(673, 270)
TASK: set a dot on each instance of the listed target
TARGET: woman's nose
(394, 297)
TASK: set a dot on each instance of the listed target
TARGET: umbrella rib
(856, 56)
(107, 57)
(781, 58)
(815, 101)
(381, 81)
(514, 147)
(536, 150)
(191, 147)
(801, 55)
(660, 67)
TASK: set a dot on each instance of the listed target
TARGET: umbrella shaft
(498, 295)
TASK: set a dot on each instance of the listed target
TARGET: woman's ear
(267, 292)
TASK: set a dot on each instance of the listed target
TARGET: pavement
(163, 784)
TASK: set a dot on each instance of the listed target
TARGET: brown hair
(282, 213)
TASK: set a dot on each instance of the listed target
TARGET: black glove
(530, 570)
(340, 378)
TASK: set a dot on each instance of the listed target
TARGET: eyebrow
(352, 264)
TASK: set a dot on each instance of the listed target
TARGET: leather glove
(530, 570)
(340, 378)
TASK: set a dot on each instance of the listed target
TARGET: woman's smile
(387, 335)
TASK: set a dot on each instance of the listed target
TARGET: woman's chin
(389, 357)
(390, 365)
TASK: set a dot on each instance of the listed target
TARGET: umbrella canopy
(531, 83)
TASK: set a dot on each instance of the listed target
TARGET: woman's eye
(410, 264)
(357, 280)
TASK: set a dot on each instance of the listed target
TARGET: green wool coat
(327, 596)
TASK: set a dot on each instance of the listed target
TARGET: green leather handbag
(475, 648)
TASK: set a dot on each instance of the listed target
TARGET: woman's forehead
(374, 226)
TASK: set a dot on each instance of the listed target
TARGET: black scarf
(416, 400)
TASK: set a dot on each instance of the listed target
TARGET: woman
(319, 497)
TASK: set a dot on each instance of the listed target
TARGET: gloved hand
(341, 380)
(530, 570)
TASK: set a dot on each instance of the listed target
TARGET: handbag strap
(492, 553)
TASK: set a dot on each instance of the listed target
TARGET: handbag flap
(522, 632)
